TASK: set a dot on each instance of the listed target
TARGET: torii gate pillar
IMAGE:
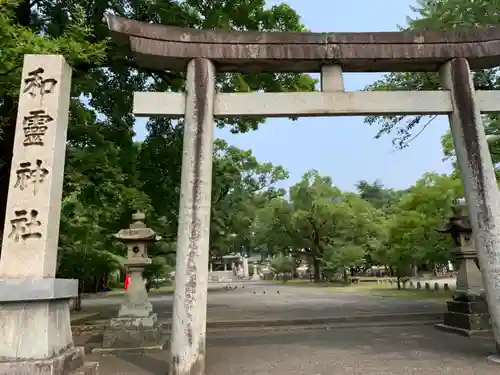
(187, 347)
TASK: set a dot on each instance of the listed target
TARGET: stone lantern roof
(137, 231)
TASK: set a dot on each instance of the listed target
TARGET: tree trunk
(77, 306)
(387, 271)
(317, 273)
(398, 275)
(391, 271)
(346, 276)
(414, 268)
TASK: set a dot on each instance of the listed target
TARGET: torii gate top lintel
(171, 48)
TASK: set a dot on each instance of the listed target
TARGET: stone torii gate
(204, 52)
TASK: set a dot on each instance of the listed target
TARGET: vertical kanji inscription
(25, 225)
(35, 127)
(31, 230)
(31, 174)
(37, 85)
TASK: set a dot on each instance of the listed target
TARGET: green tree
(437, 15)
(342, 259)
(157, 272)
(379, 196)
(361, 231)
(313, 199)
(84, 253)
(322, 222)
(413, 237)
(19, 38)
(273, 227)
(282, 265)
(108, 176)
(241, 185)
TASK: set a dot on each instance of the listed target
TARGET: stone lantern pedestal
(136, 327)
(467, 314)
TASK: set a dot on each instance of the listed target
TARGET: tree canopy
(438, 15)
(109, 174)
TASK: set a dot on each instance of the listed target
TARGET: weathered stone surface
(31, 231)
(88, 368)
(136, 326)
(167, 47)
(191, 276)
(467, 314)
(37, 289)
(64, 363)
(136, 298)
(478, 178)
(470, 322)
(467, 318)
(35, 329)
(124, 333)
(38, 329)
(136, 237)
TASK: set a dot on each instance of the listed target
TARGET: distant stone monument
(246, 272)
(136, 326)
(35, 327)
(467, 314)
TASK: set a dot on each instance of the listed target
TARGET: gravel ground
(280, 302)
(334, 351)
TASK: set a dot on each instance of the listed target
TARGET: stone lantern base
(132, 333)
(467, 316)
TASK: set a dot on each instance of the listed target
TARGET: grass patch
(379, 290)
(404, 294)
(365, 282)
(373, 278)
(305, 283)
(163, 289)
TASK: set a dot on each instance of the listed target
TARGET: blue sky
(343, 147)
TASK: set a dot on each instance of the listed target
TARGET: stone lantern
(136, 326)
(467, 314)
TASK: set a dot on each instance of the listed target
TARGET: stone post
(136, 327)
(467, 314)
(246, 272)
(189, 318)
(478, 177)
(35, 322)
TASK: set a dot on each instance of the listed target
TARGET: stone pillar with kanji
(35, 327)
(467, 314)
(136, 327)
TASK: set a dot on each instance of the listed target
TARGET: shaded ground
(342, 351)
(281, 302)
(333, 349)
